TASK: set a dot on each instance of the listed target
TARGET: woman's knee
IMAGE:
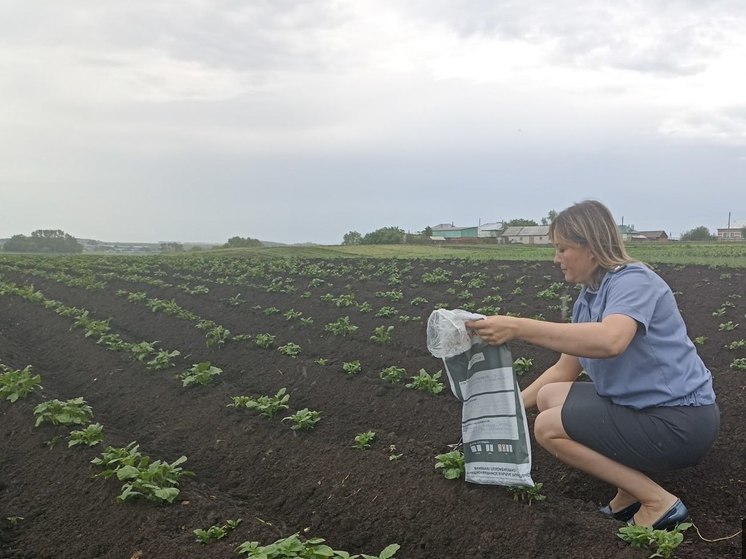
(548, 426)
(552, 395)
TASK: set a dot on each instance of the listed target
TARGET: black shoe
(624, 514)
(677, 514)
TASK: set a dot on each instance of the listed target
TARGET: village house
(730, 233)
(649, 236)
(537, 234)
(526, 235)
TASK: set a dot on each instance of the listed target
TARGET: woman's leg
(554, 395)
(550, 434)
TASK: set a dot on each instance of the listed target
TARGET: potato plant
(314, 548)
(17, 384)
(382, 334)
(341, 327)
(303, 420)
(156, 481)
(217, 335)
(267, 406)
(451, 464)
(90, 436)
(292, 314)
(113, 458)
(738, 364)
(527, 493)
(163, 359)
(290, 349)
(393, 374)
(199, 373)
(393, 295)
(264, 340)
(142, 350)
(662, 542)
(351, 367)
(426, 382)
(364, 440)
(70, 412)
(736, 344)
(386, 312)
(215, 532)
(234, 300)
(522, 365)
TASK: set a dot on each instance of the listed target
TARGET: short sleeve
(633, 292)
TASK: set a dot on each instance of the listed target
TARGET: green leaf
(389, 551)
(127, 472)
(167, 493)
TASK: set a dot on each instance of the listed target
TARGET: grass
(703, 253)
(730, 254)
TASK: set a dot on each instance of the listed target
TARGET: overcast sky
(298, 121)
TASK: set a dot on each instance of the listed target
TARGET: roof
(650, 234)
(527, 231)
(535, 230)
(492, 226)
(444, 227)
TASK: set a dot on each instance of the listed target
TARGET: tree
(352, 238)
(44, 240)
(743, 232)
(700, 233)
(242, 242)
(551, 216)
(384, 236)
(428, 232)
(521, 222)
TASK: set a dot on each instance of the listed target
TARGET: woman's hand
(495, 330)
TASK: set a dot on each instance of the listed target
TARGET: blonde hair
(590, 224)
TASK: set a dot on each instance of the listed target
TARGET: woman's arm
(566, 369)
(607, 338)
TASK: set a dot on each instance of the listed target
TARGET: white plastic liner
(497, 447)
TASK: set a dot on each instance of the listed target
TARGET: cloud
(726, 125)
(679, 37)
(283, 115)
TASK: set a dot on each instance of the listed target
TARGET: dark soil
(280, 482)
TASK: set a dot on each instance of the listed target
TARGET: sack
(497, 448)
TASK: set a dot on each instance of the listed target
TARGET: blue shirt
(660, 367)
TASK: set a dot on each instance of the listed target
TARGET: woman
(650, 406)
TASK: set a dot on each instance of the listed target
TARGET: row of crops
(269, 345)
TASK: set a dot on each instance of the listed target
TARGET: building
(527, 235)
(649, 236)
(491, 230)
(731, 233)
(446, 231)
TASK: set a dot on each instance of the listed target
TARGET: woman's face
(576, 261)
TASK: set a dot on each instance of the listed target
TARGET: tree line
(44, 240)
(397, 235)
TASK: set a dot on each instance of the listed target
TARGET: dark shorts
(657, 439)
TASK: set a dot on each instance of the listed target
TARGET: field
(279, 481)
